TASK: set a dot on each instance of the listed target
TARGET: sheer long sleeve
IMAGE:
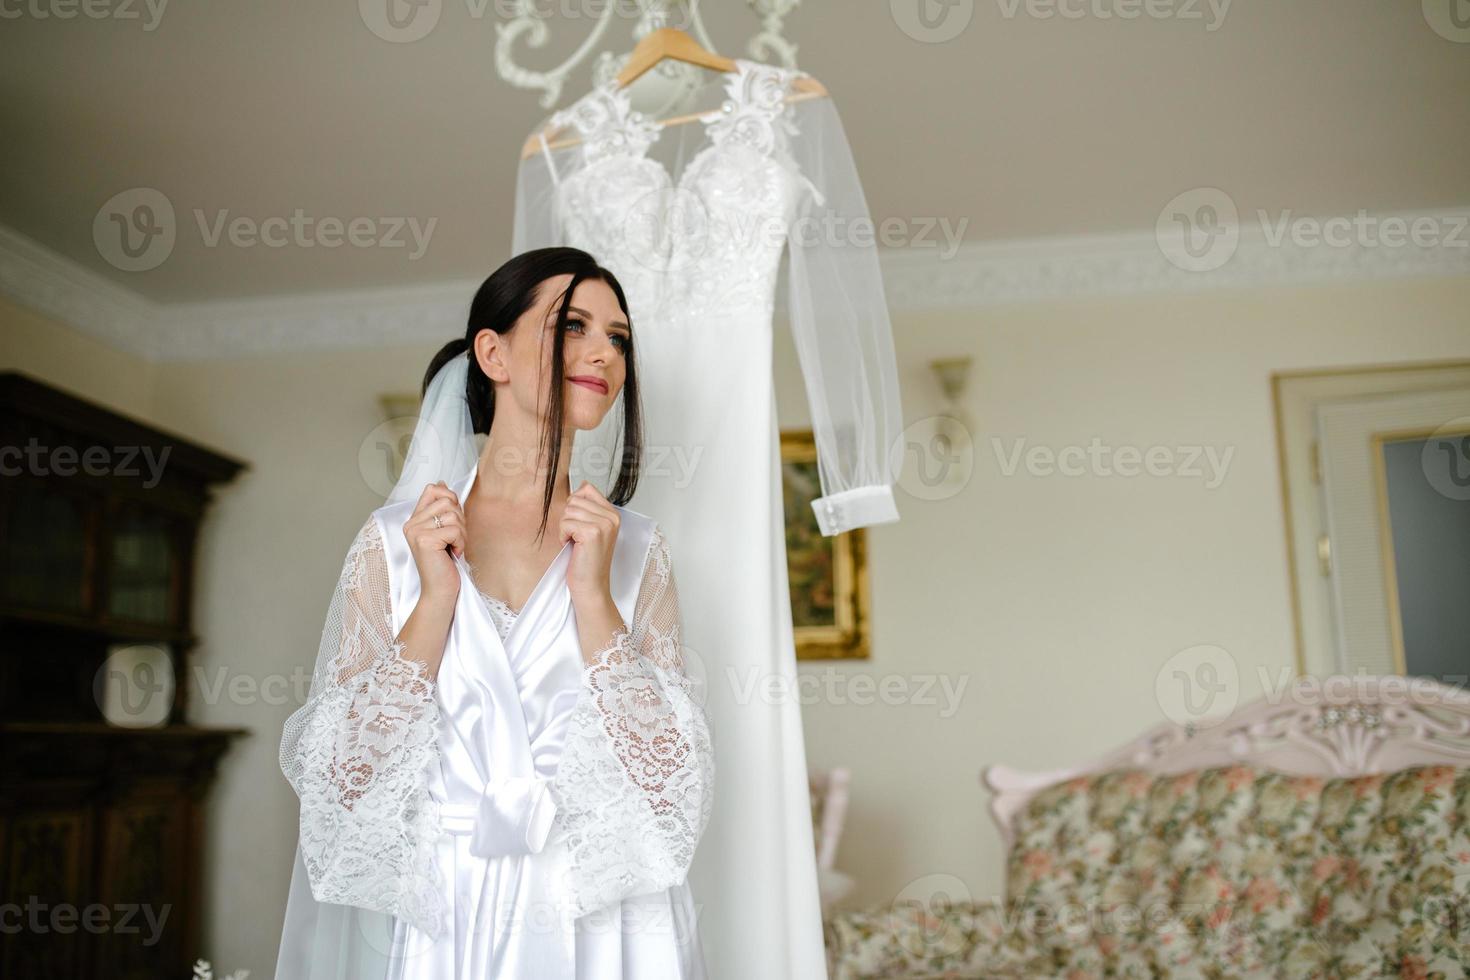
(840, 325)
(634, 786)
(357, 754)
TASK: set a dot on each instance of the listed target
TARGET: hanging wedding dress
(694, 220)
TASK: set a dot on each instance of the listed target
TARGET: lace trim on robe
(501, 613)
(357, 754)
(634, 788)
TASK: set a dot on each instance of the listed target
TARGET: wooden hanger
(672, 43)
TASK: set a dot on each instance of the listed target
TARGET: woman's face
(595, 352)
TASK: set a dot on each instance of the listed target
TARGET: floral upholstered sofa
(1319, 834)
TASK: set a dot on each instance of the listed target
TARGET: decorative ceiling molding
(320, 321)
(53, 285)
(990, 274)
(975, 276)
(38, 278)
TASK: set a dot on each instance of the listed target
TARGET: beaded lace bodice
(707, 242)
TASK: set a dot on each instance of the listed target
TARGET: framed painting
(828, 575)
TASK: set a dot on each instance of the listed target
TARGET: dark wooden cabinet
(101, 826)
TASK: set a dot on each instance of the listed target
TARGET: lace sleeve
(357, 753)
(634, 787)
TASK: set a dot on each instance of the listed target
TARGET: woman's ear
(490, 354)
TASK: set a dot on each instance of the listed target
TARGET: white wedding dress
(694, 220)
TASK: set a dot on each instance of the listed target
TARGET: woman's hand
(431, 543)
(591, 523)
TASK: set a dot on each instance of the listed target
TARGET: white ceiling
(1021, 126)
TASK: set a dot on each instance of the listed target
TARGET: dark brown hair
(500, 301)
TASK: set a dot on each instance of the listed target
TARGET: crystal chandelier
(672, 79)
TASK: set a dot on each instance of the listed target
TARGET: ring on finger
(438, 521)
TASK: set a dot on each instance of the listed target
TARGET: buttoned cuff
(858, 507)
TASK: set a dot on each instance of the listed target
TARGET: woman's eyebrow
(615, 323)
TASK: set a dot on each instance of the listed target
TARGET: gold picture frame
(828, 576)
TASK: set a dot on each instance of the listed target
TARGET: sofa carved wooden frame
(1333, 726)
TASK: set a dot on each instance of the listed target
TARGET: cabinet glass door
(142, 567)
(43, 557)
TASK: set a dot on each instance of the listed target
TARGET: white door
(1395, 493)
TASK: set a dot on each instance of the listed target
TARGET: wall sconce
(939, 449)
(953, 374)
(399, 404)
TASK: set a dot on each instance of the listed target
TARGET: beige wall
(40, 347)
(1053, 599)
(1057, 599)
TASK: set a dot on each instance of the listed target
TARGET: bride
(503, 766)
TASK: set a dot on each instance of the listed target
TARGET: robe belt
(514, 816)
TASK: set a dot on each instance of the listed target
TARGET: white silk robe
(524, 814)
